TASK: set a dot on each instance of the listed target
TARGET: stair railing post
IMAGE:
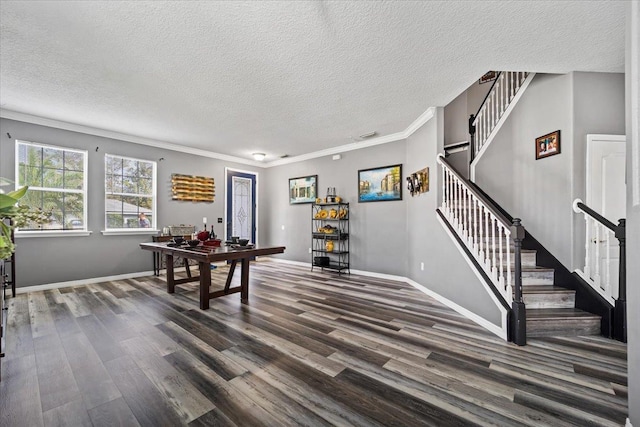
(620, 312)
(472, 140)
(519, 316)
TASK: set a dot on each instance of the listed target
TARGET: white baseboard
(491, 327)
(288, 261)
(91, 281)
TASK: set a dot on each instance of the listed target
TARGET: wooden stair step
(546, 296)
(561, 322)
(535, 276)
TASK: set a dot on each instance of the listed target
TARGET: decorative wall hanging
(488, 77)
(192, 188)
(303, 189)
(548, 145)
(380, 184)
(418, 182)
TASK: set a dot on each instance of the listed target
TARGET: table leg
(244, 281)
(186, 267)
(155, 264)
(171, 286)
(205, 283)
(232, 269)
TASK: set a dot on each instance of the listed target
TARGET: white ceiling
(237, 77)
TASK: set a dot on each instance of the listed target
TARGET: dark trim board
(586, 298)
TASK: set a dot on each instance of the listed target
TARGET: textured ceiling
(236, 77)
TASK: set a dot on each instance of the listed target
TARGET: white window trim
(85, 182)
(131, 231)
(52, 233)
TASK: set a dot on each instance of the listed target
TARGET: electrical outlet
(422, 266)
(309, 250)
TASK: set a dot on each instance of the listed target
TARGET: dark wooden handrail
(487, 96)
(595, 215)
(620, 231)
(518, 316)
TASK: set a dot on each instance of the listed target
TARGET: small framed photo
(488, 77)
(303, 189)
(380, 184)
(548, 145)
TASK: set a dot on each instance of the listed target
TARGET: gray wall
(538, 191)
(541, 192)
(43, 260)
(456, 122)
(378, 240)
(633, 211)
(598, 108)
(446, 272)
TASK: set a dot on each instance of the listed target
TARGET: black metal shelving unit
(336, 259)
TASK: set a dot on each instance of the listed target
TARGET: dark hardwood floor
(310, 349)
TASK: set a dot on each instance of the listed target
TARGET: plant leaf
(19, 193)
(6, 201)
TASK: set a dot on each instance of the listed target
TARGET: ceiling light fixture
(259, 156)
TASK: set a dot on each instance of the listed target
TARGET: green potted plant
(14, 215)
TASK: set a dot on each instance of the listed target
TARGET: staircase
(488, 237)
(551, 308)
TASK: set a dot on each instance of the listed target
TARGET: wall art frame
(381, 184)
(303, 189)
(548, 145)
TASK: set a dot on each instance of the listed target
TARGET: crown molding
(398, 136)
(58, 124)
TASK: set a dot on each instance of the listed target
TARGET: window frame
(84, 192)
(154, 190)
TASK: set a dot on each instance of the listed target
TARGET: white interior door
(606, 194)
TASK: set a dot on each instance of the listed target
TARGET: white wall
(632, 89)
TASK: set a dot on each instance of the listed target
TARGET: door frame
(591, 138)
(226, 198)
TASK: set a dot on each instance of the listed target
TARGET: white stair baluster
(501, 256)
(596, 276)
(508, 243)
(444, 190)
(494, 271)
(607, 280)
(587, 248)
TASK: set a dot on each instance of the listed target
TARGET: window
(57, 183)
(130, 190)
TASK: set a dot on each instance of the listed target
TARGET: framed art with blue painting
(303, 189)
(380, 184)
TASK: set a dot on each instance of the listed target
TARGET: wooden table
(205, 255)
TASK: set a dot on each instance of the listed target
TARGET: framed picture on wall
(488, 77)
(548, 145)
(303, 189)
(380, 184)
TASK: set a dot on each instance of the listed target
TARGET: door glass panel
(241, 208)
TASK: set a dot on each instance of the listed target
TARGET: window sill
(125, 232)
(52, 233)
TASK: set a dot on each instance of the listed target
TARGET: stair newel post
(620, 313)
(518, 307)
(472, 140)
